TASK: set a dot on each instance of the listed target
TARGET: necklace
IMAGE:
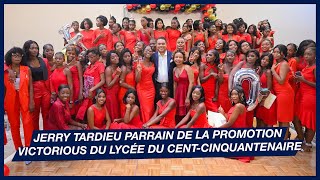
(69, 63)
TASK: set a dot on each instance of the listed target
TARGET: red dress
(144, 37)
(212, 42)
(245, 36)
(268, 116)
(88, 38)
(146, 93)
(106, 40)
(169, 120)
(130, 80)
(173, 35)
(130, 40)
(164, 34)
(300, 66)
(223, 98)
(222, 56)
(91, 77)
(240, 123)
(236, 60)
(186, 38)
(116, 39)
(99, 117)
(135, 123)
(201, 122)
(181, 92)
(209, 88)
(285, 98)
(112, 102)
(76, 89)
(57, 78)
(195, 75)
(198, 37)
(225, 37)
(307, 114)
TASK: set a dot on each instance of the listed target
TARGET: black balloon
(206, 19)
(139, 6)
(135, 8)
(182, 9)
(198, 7)
(204, 11)
(187, 6)
(172, 7)
(214, 9)
(157, 8)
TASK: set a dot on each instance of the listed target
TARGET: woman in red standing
(224, 71)
(145, 33)
(291, 57)
(61, 75)
(93, 78)
(116, 35)
(252, 62)
(173, 34)
(18, 97)
(48, 53)
(87, 32)
(301, 64)
(145, 86)
(165, 112)
(266, 117)
(282, 88)
(131, 37)
(307, 114)
(220, 47)
(194, 61)
(183, 83)
(127, 77)
(230, 33)
(160, 31)
(213, 36)
(77, 78)
(97, 114)
(197, 115)
(198, 32)
(236, 116)
(131, 117)
(112, 74)
(102, 35)
(39, 73)
(208, 77)
(186, 35)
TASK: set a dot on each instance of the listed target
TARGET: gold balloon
(143, 10)
(210, 11)
(148, 8)
(139, 11)
(168, 5)
(212, 17)
(193, 7)
(163, 7)
(188, 10)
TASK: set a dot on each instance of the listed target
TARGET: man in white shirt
(163, 67)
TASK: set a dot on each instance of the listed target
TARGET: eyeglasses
(17, 55)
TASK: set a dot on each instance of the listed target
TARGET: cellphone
(298, 73)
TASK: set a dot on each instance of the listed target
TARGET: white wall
(292, 23)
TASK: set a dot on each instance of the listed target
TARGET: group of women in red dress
(111, 85)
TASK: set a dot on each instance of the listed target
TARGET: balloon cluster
(208, 10)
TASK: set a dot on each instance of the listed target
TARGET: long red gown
(57, 78)
(307, 114)
(130, 80)
(285, 98)
(181, 92)
(106, 40)
(195, 75)
(209, 88)
(300, 66)
(173, 35)
(135, 123)
(91, 78)
(146, 93)
(112, 102)
(99, 117)
(223, 98)
(169, 120)
(240, 123)
(88, 38)
(76, 89)
(268, 116)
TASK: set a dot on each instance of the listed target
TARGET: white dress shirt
(162, 68)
